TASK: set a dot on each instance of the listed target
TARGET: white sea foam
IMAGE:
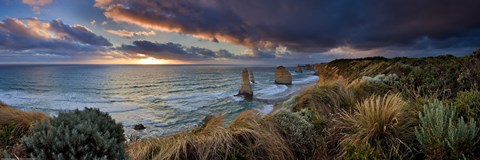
(272, 90)
(306, 80)
(266, 109)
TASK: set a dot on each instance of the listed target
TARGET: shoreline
(278, 104)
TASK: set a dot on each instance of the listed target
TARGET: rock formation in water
(252, 78)
(308, 67)
(139, 127)
(282, 76)
(245, 88)
(298, 69)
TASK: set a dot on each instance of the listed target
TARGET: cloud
(77, 33)
(309, 26)
(93, 23)
(174, 51)
(32, 37)
(130, 34)
(36, 4)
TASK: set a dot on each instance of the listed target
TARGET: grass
(377, 122)
(14, 124)
(325, 99)
(247, 137)
(21, 119)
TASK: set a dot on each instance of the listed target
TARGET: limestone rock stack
(298, 69)
(308, 67)
(282, 76)
(245, 88)
(252, 78)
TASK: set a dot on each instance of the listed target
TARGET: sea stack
(245, 88)
(308, 67)
(282, 76)
(298, 69)
(252, 78)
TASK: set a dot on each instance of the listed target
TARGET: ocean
(166, 99)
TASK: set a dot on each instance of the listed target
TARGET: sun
(151, 60)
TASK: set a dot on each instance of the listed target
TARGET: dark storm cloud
(174, 51)
(35, 34)
(34, 40)
(310, 25)
(78, 33)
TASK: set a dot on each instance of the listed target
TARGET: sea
(164, 98)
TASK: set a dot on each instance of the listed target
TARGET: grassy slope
(442, 76)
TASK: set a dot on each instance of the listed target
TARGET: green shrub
(442, 136)
(468, 104)
(87, 134)
(362, 88)
(300, 130)
(382, 78)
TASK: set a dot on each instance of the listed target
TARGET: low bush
(362, 89)
(87, 134)
(443, 136)
(301, 130)
(468, 104)
(382, 78)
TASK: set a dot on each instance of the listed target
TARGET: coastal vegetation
(87, 134)
(369, 108)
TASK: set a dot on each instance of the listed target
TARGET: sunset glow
(151, 60)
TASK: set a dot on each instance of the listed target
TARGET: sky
(232, 31)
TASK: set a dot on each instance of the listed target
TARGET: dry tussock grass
(14, 124)
(326, 98)
(19, 118)
(377, 122)
(247, 137)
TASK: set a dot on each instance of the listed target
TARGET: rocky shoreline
(282, 77)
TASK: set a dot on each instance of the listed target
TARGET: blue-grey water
(166, 99)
